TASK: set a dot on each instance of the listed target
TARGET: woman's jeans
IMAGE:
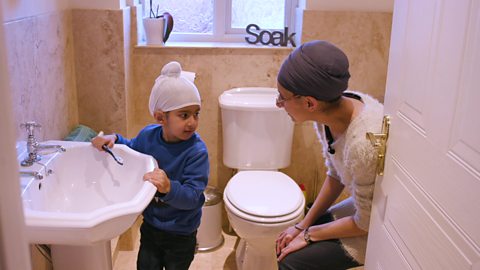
(322, 255)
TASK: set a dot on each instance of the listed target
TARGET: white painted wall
(350, 5)
(14, 251)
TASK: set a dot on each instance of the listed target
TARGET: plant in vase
(157, 27)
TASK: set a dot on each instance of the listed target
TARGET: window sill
(211, 45)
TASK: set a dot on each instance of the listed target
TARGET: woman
(311, 84)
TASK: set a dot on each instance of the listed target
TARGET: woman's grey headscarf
(318, 69)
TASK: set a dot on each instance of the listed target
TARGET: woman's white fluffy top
(354, 164)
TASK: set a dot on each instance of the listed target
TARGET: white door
(426, 212)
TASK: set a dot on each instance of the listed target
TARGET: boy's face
(179, 125)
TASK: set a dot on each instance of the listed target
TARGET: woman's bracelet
(298, 227)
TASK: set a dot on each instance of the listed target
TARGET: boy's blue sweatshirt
(186, 165)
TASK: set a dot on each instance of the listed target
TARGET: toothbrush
(119, 160)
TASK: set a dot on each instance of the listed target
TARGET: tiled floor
(221, 258)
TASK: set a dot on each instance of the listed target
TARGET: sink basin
(87, 198)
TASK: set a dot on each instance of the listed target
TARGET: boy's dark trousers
(159, 249)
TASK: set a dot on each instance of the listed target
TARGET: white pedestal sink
(87, 200)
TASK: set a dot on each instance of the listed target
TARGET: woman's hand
(159, 179)
(296, 244)
(286, 237)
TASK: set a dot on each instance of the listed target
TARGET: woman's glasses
(281, 100)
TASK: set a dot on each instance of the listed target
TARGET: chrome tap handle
(37, 175)
(32, 143)
(30, 127)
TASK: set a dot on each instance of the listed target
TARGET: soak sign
(266, 37)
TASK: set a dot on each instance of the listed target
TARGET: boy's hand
(101, 140)
(159, 179)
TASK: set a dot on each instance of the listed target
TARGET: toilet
(259, 200)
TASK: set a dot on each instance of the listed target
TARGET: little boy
(170, 222)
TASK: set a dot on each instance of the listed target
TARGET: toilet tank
(257, 135)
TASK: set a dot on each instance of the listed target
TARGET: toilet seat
(264, 196)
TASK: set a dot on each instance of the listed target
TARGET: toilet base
(250, 256)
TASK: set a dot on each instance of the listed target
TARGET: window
(223, 20)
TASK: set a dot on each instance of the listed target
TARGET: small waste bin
(209, 235)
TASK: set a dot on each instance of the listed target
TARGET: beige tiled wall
(217, 70)
(101, 48)
(364, 37)
(112, 79)
(80, 66)
(42, 79)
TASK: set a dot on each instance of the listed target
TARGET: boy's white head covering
(173, 89)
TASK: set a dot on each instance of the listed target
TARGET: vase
(154, 30)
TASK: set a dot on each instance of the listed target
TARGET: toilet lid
(249, 99)
(264, 193)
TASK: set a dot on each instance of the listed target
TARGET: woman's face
(291, 103)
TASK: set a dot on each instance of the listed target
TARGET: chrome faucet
(37, 175)
(33, 146)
